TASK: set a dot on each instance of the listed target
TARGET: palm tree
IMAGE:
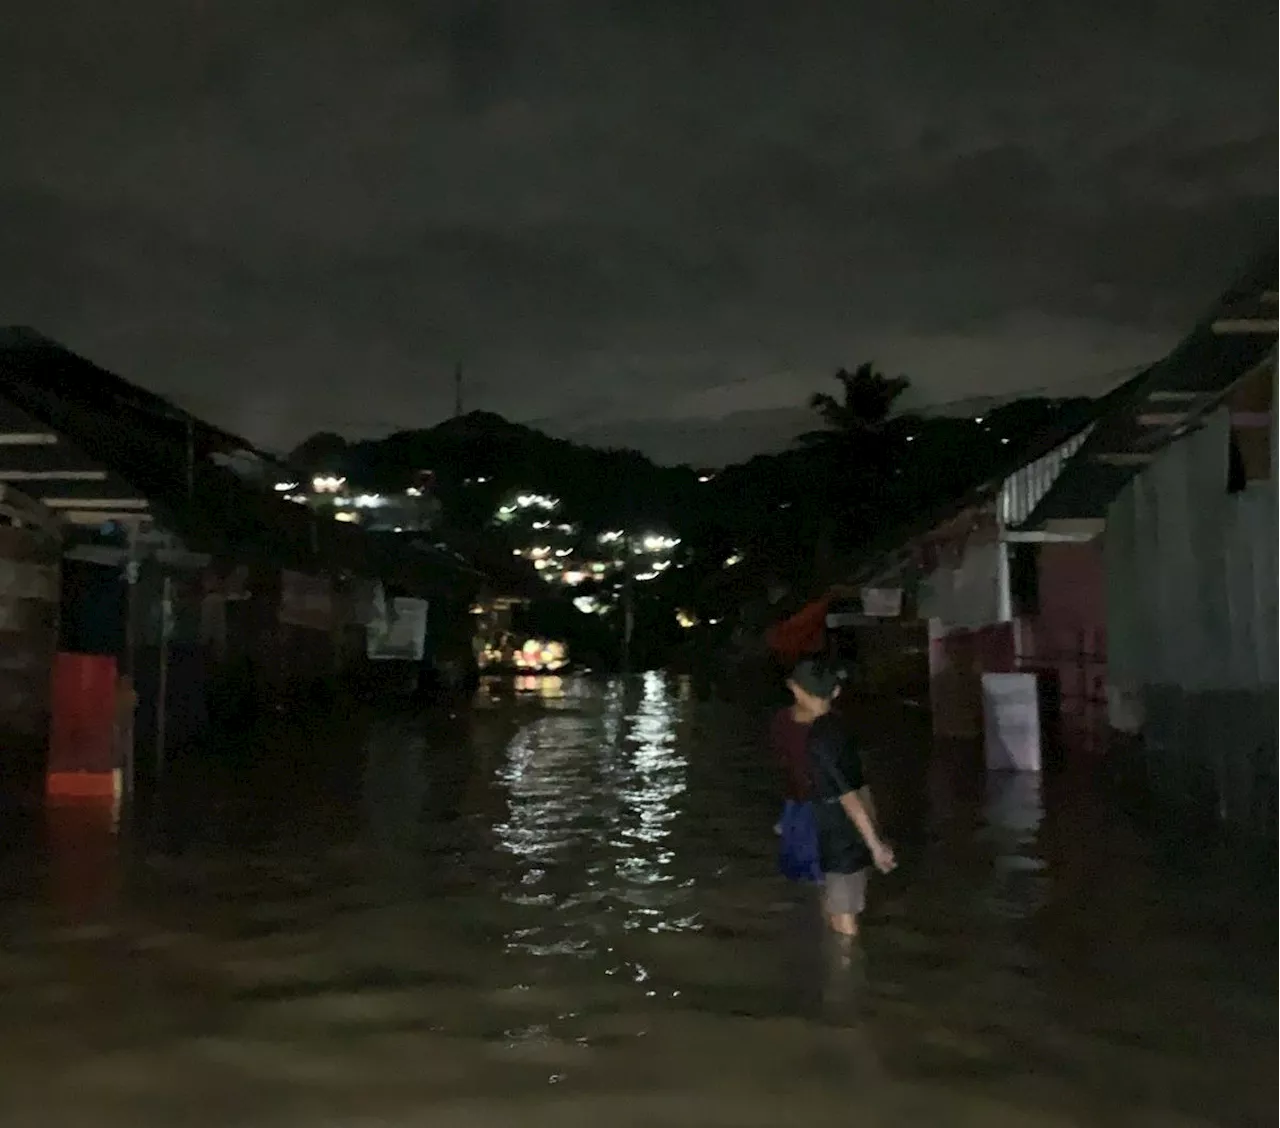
(856, 453)
(863, 409)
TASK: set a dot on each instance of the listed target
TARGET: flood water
(559, 907)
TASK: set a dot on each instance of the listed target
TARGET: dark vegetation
(792, 519)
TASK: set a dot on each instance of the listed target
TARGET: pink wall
(1069, 632)
(1066, 636)
(957, 661)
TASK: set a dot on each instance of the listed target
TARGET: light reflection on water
(570, 890)
(1013, 812)
(611, 854)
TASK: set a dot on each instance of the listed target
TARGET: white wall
(1191, 572)
(1192, 640)
(966, 595)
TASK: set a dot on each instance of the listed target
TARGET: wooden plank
(1087, 527)
(1240, 325)
(96, 517)
(1123, 458)
(135, 503)
(53, 475)
(27, 438)
(1243, 419)
(1043, 536)
(28, 512)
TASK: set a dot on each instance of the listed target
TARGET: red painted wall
(957, 662)
(1068, 633)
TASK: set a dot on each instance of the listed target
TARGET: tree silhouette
(866, 402)
(854, 464)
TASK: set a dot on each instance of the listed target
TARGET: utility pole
(457, 391)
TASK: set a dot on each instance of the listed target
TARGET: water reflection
(1013, 813)
(549, 687)
(592, 803)
(650, 780)
(586, 926)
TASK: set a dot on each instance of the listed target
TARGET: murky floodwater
(564, 911)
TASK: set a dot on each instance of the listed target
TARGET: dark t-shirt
(790, 740)
(837, 770)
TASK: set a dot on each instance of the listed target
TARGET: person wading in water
(828, 830)
(796, 826)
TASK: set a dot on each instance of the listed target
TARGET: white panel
(1011, 722)
(1024, 489)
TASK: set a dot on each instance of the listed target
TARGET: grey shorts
(844, 893)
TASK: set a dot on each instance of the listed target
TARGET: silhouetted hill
(779, 504)
(481, 458)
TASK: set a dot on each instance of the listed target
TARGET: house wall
(1065, 636)
(957, 660)
(28, 632)
(966, 598)
(964, 593)
(1191, 597)
(891, 659)
(968, 634)
(1062, 638)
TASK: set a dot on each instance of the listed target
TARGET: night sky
(658, 223)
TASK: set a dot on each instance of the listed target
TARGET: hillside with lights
(606, 546)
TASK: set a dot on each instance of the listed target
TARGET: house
(1130, 561)
(925, 607)
(170, 540)
(951, 583)
(1159, 535)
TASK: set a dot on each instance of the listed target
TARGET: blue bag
(798, 858)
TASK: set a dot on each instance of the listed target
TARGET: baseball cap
(817, 678)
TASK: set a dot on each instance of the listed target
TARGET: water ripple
(561, 908)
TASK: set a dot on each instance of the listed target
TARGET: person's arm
(855, 798)
(863, 819)
(867, 800)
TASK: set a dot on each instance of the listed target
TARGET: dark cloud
(645, 221)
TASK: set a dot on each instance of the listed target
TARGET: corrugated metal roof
(886, 551)
(1163, 402)
(139, 446)
(27, 353)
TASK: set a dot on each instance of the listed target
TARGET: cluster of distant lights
(560, 565)
(528, 501)
(333, 487)
(551, 563)
(537, 655)
(564, 565)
